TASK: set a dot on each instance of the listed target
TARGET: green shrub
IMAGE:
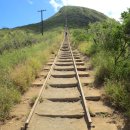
(78, 36)
(35, 65)
(92, 49)
(101, 74)
(22, 77)
(8, 97)
(83, 47)
(24, 74)
(10, 39)
(87, 48)
(122, 71)
(117, 95)
(103, 62)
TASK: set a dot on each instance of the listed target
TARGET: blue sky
(21, 12)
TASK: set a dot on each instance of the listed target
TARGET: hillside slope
(77, 17)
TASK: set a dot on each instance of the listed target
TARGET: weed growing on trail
(32, 101)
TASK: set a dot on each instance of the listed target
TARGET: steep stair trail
(61, 104)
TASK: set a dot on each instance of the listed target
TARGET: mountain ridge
(77, 17)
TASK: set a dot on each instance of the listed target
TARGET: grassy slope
(18, 67)
(77, 17)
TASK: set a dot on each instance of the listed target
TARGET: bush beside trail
(108, 45)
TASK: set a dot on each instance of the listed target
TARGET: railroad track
(61, 104)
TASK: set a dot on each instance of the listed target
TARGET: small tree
(109, 36)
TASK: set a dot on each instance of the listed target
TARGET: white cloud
(56, 4)
(112, 8)
(30, 2)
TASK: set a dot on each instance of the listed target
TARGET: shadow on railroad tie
(126, 125)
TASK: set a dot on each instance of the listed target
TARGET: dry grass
(20, 67)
